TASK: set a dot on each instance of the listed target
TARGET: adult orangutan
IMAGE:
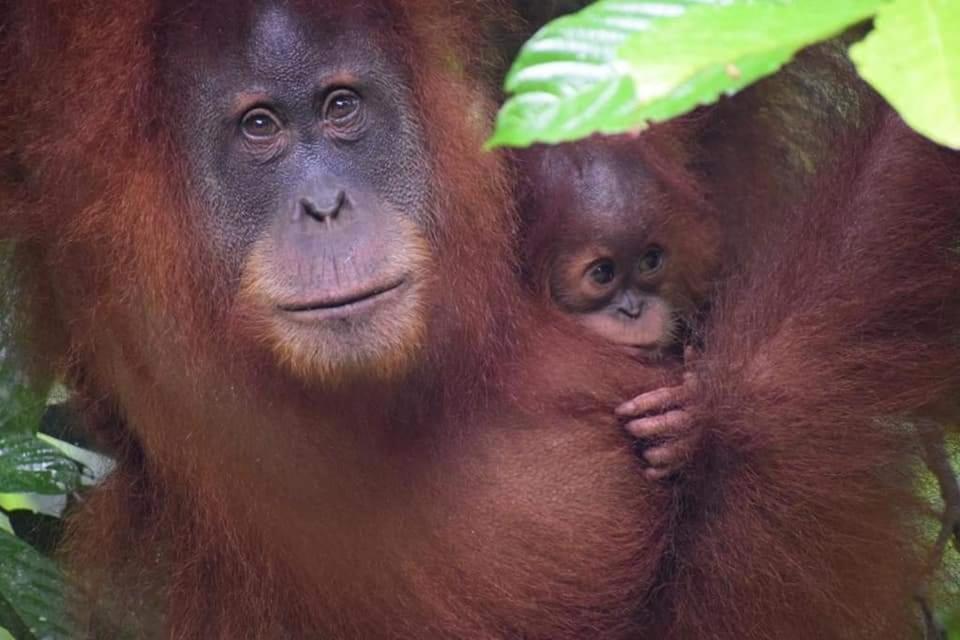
(279, 273)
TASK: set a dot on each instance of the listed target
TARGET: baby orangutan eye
(652, 261)
(603, 272)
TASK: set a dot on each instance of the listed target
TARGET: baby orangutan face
(617, 292)
(618, 236)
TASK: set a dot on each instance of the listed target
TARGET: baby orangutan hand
(661, 418)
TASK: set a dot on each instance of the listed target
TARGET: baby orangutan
(618, 236)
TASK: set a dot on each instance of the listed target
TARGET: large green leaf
(29, 465)
(31, 588)
(619, 64)
(912, 58)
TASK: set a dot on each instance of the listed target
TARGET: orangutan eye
(603, 272)
(341, 105)
(652, 261)
(260, 124)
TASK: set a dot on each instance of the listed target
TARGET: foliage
(31, 472)
(619, 64)
(32, 592)
(922, 78)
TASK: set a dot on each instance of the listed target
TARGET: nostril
(324, 212)
(632, 312)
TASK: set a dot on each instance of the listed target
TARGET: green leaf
(18, 629)
(912, 59)
(20, 406)
(94, 466)
(33, 588)
(620, 64)
(28, 465)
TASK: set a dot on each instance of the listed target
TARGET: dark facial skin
(314, 171)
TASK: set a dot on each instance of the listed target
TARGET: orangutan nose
(631, 305)
(324, 211)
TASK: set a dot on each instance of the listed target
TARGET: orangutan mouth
(342, 301)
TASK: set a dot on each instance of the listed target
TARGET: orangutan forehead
(593, 180)
(282, 32)
(275, 49)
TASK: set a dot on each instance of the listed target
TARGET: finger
(669, 455)
(664, 424)
(651, 401)
(657, 474)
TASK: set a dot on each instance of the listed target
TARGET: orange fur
(485, 491)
